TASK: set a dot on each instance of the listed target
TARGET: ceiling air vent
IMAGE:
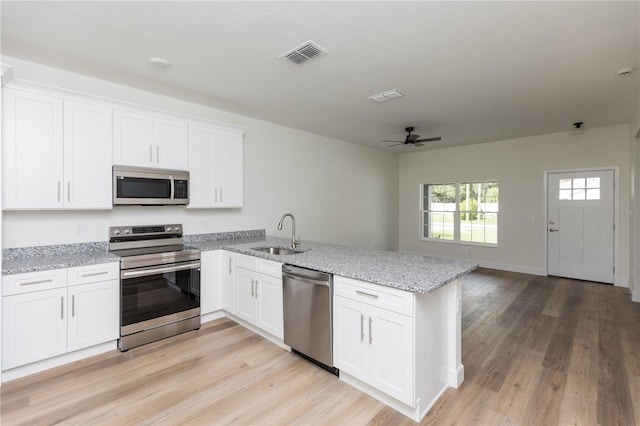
(304, 53)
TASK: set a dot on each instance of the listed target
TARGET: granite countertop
(406, 271)
(42, 258)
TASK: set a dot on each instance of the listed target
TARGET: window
(579, 189)
(465, 212)
(439, 206)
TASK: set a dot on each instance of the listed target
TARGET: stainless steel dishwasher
(308, 314)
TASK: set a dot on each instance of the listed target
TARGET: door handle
(370, 334)
(553, 230)
(361, 327)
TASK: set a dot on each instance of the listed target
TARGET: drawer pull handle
(37, 282)
(62, 307)
(362, 293)
(361, 327)
(73, 305)
(370, 334)
(93, 274)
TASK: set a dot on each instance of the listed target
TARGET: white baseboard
(45, 364)
(511, 268)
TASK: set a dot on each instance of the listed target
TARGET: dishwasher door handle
(305, 280)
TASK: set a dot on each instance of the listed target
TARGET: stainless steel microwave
(149, 187)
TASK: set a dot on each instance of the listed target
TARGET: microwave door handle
(173, 187)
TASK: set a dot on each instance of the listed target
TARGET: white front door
(580, 225)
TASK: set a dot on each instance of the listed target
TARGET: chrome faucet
(294, 241)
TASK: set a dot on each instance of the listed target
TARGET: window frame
(456, 215)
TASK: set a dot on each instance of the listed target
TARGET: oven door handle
(155, 270)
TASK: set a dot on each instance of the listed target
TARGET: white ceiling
(472, 71)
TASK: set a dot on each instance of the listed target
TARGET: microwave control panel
(180, 189)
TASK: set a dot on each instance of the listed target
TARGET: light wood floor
(536, 350)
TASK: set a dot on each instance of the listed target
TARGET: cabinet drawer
(269, 267)
(383, 297)
(34, 281)
(94, 273)
(246, 261)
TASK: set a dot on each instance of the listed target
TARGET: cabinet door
(87, 156)
(202, 146)
(226, 281)
(215, 164)
(245, 300)
(270, 300)
(350, 346)
(32, 151)
(94, 314)
(228, 169)
(171, 144)
(34, 327)
(133, 139)
(210, 298)
(390, 338)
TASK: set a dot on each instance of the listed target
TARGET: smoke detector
(304, 53)
(578, 128)
(160, 63)
(625, 71)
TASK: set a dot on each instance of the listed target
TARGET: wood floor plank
(614, 396)
(536, 350)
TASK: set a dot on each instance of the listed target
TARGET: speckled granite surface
(42, 258)
(406, 271)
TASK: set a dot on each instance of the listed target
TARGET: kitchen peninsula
(410, 301)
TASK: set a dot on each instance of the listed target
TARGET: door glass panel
(579, 183)
(593, 194)
(593, 182)
(578, 194)
(565, 194)
(565, 183)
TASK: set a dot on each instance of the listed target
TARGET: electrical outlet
(80, 230)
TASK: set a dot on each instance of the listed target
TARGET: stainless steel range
(159, 283)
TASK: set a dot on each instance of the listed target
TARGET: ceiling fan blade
(412, 137)
(398, 144)
(418, 144)
(393, 141)
(437, 138)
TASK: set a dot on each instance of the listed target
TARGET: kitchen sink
(282, 251)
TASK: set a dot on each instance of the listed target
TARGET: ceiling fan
(412, 139)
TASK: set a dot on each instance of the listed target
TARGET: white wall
(633, 204)
(339, 192)
(519, 166)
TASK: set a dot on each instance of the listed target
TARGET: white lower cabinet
(210, 299)
(49, 313)
(376, 346)
(94, 314)
(226, 273)
(34, 327)
(258, 293)
(400, 347)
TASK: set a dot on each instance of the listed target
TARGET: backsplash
(102, 246)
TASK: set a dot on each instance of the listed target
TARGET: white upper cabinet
(32, 150)
(149, 140)
(56, 153)
(215, 165)
(87, 156)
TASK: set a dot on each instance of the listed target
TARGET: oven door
(154, 296)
